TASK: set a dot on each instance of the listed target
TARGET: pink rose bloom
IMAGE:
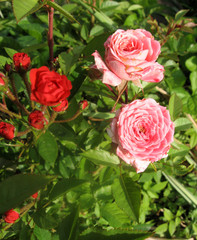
(130, 55)
(143, 131)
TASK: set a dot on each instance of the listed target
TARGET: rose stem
(16, 101)
(50, 35)
(126, 95)
(27, 84)
(113, 92)
(69, 119)
(19, 134)
(14, 87)
(11, 114)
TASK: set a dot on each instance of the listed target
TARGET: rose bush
(7, 130)
(143, 131)
(48, 87)
(37, 120)
(11, 216)
(130, 55)
(21, 61)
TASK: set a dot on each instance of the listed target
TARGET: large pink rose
(143, 131)
(130, 55)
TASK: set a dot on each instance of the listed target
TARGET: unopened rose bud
(11, 216)
(37, 120)
(62, 106)
(7, 67)
(84, 104)
(21, 61)
(35, 195)
(7, 130)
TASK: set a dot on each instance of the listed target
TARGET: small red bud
(84, 104)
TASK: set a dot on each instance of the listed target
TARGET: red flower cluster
(37, 120)
(21, 61)
(11, 216)
(7, 130)
(49, 88)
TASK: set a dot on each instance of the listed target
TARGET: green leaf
(10, 52)
(161, 228)
(114, 235)
(101, 157)
(134, 7)
(105, 20)
(68, 228)
(23, 8)
(114, 215)
(4, 60)
(127, 196)
(193, 80)
(44, 219)
(186, 194)
(192, 104)
(180, 14)
(41, 234)
(159, 186)
(47, 148)
(191, 63)
(181, 150)
(101, 115)
(14, 190)
(193, 140)
(84, 31)
(98, 41)
(64, 186)
(62, 11)
(175, 106)
(172, 227)
(167, 214)
(182, 124)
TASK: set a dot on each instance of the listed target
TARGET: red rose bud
(37, 120)
(11, 216)
(48, 87)
(7, 130)
(2, 83)
(84, 104)
(21, 61)
(35, 195)
(62, 106)
(7, 67)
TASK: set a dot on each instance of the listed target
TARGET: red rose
(37, 120)
(21, 61)
(84, 104)
(7, 130)
(48, 87)
(35, 195)
(11, 216)
(2, 83)
(62, 106)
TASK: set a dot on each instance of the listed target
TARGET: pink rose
(130, 55)
(143, 131)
